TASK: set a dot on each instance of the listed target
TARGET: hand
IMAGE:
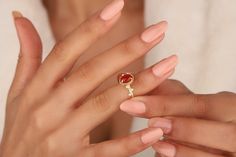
(195, 125)
(49, 116)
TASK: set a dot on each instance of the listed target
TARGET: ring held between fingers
(107, 103)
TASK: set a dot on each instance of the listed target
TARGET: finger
(94, 72)
(199, 147)
(107, 64)
(29, 57)
(212, 134)
(171, 87)
(127, 146)
(170, 150)
(66, 52)
(99, 108)
(211, 107)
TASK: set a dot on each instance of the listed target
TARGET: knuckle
(25, 100)
(199, 105)
(59, 51)
(101, 103)
(90, 27)
(36, 121)
(127, 46)
(31, 58)
(86, 71)
(164, 109)
(132, 47)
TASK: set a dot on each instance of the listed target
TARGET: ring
(126, 80)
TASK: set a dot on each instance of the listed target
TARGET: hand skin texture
(50, 116)
(194, 125)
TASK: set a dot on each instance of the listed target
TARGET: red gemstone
(125, 78)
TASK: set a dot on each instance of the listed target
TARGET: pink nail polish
(16, 14)
(154, 32)
(165, 66)
(152, 136)
(112, 9)
(165, 149)
(164, 124)
(133, 107)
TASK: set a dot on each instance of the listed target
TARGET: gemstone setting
(125, 78)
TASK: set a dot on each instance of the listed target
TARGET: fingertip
(30, 41)
(16, 14)
(154, 32)
(151, 136)
(164, 25)
(112, 9)
(165, 149)
(133, 107)
(163, 123)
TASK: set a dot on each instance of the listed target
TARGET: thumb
(30, 56)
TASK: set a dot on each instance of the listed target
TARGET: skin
(74, 12)
(53, 121)
(201, 125)
(189, 100)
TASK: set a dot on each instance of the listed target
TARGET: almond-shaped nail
(112, 9)
(133, 107)
(152, 136)
(164, 124)
(16, 14)
(165, 66)
(154, 32)
(165, 149)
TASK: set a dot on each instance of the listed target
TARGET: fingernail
(154, 32)
(165, 149)
(112, 9)
(16, 14)
(164, 124)
(152, 136)
(165, 66)
(133, 107)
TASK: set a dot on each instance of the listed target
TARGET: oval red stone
(125, 78)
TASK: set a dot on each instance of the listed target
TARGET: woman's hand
(195, 125)
(48, 115)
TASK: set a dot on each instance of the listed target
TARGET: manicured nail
(16, 14)
(165, 149)
(112, 9)
(165, 66)
(164, 124)
(152, 136)
(133, 107)
(154, 32)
